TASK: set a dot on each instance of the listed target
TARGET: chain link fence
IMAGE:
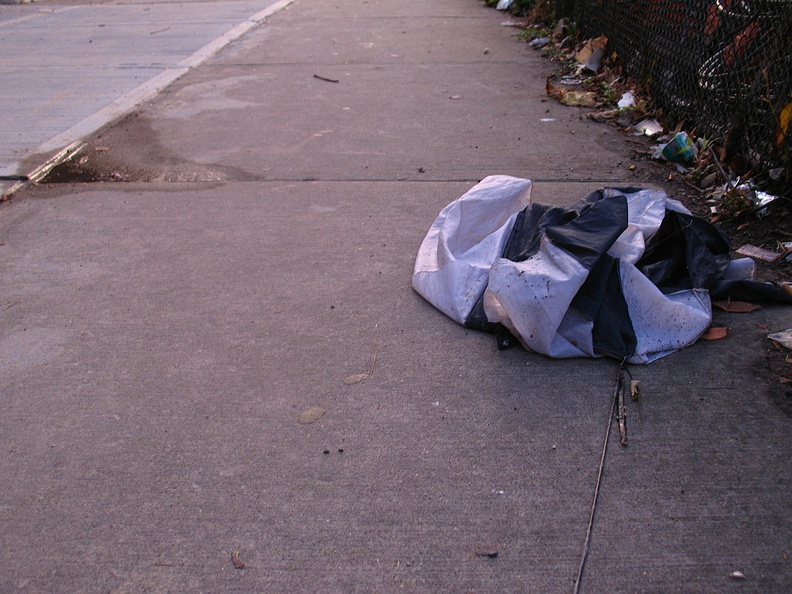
(723, 67)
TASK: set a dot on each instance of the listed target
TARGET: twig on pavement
(584, 556)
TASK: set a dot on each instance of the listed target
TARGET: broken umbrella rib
(612, 412)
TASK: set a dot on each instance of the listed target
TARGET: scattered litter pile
(724, 135)
(626, 273)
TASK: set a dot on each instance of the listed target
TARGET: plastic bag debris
(735, 200)
(648, 128)
(627, 100)
(539, 42)
(761, 200)
(626, 273)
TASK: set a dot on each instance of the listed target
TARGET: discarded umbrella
(625, 273)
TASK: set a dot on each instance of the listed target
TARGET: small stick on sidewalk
(621, 414)
(332, 80)
(374, 362)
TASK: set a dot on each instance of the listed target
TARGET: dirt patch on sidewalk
(130, 151)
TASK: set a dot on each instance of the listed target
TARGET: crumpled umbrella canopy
(626, 273)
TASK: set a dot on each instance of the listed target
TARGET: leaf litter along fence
(724, 67)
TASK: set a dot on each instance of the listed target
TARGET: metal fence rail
(724, 67)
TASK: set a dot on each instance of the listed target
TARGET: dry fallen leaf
(715, 333)
(579, 99)
(355, 378)
(571, 96)
(635, 389)
(311, 415)
(359, 377)
(736, 306)
(238, 563)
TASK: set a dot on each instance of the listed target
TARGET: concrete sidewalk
(160, 337)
